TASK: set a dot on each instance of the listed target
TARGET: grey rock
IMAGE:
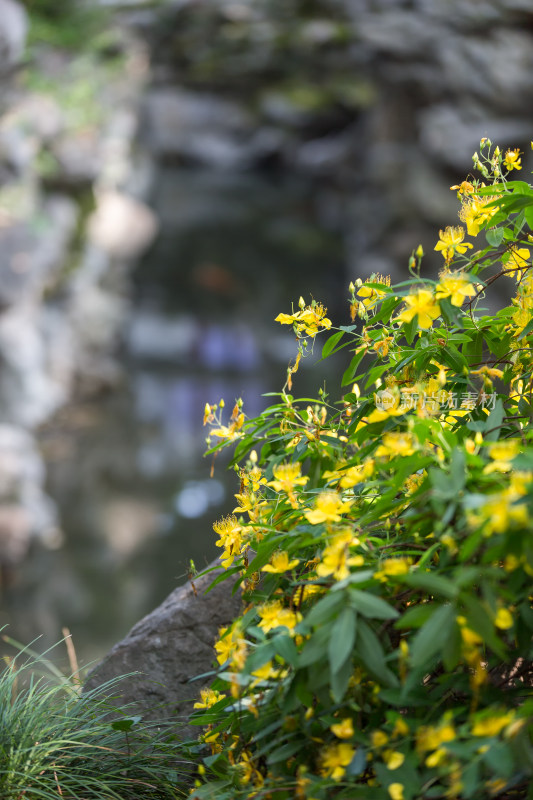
(78, 159)
(451, 134)
(33, 251)
(168, 648)
(26, 511)
(201, 127)
(13, 30)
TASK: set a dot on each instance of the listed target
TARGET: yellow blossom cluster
(308, 320)
(336, 559)
(451, 241)
(232, 538)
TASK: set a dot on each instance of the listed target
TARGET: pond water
(134, 492)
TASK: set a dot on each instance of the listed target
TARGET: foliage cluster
(56, 742)
(383, 541)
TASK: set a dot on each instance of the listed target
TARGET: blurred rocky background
(172, 175)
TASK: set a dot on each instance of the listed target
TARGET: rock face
(383, 100)
(13, 29)
(63, 273)
(169, 647)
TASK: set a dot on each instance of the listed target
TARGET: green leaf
(494, 236)
(528, 213)
(342, 639)
(330, 344)
(125, 724)
(494, 421)
(479, 620)
(286, 648)
(370, 651)
(432, 636)
(327, 607)
(351, 371)
(358, 763)
(285, 751)
(457, 470)
(315, 649)
(371, 606)
(410, 329)
(434, 584)
(415, 616)
(527, 330)
(386, 311)
(339, 680)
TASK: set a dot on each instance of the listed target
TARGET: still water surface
(127, 471)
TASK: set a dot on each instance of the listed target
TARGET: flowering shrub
(384, 541)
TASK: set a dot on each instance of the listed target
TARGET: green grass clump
(56, 742)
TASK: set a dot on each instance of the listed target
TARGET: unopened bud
(301, 302)
(419, 252)
(351, 287)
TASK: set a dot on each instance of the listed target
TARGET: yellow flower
(328, 508)
(378, 738)
(430, 737)
(492, 725)
(464, 188)
(231, 538)
(475, 211)
(512, 159)
(254, 478)
(267, 672)
(308, 320)
(393, 759)
(436, 758)
(450, 242)
(396, 791)
(280, 563)
(501, 510)
(503, 619)
(393, 567)
(422, 304)
(502, 454)
(207, 413)
(286, 477)
(455, 286)
(208, 698)
(370, 295)
(231, 646)
(335, 560)
(343, 729)
(401, 727)
(517, 261)
(274, 615)
(356, 474)
(334, 760)
(396, 444)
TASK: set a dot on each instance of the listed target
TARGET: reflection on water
(127, 472)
